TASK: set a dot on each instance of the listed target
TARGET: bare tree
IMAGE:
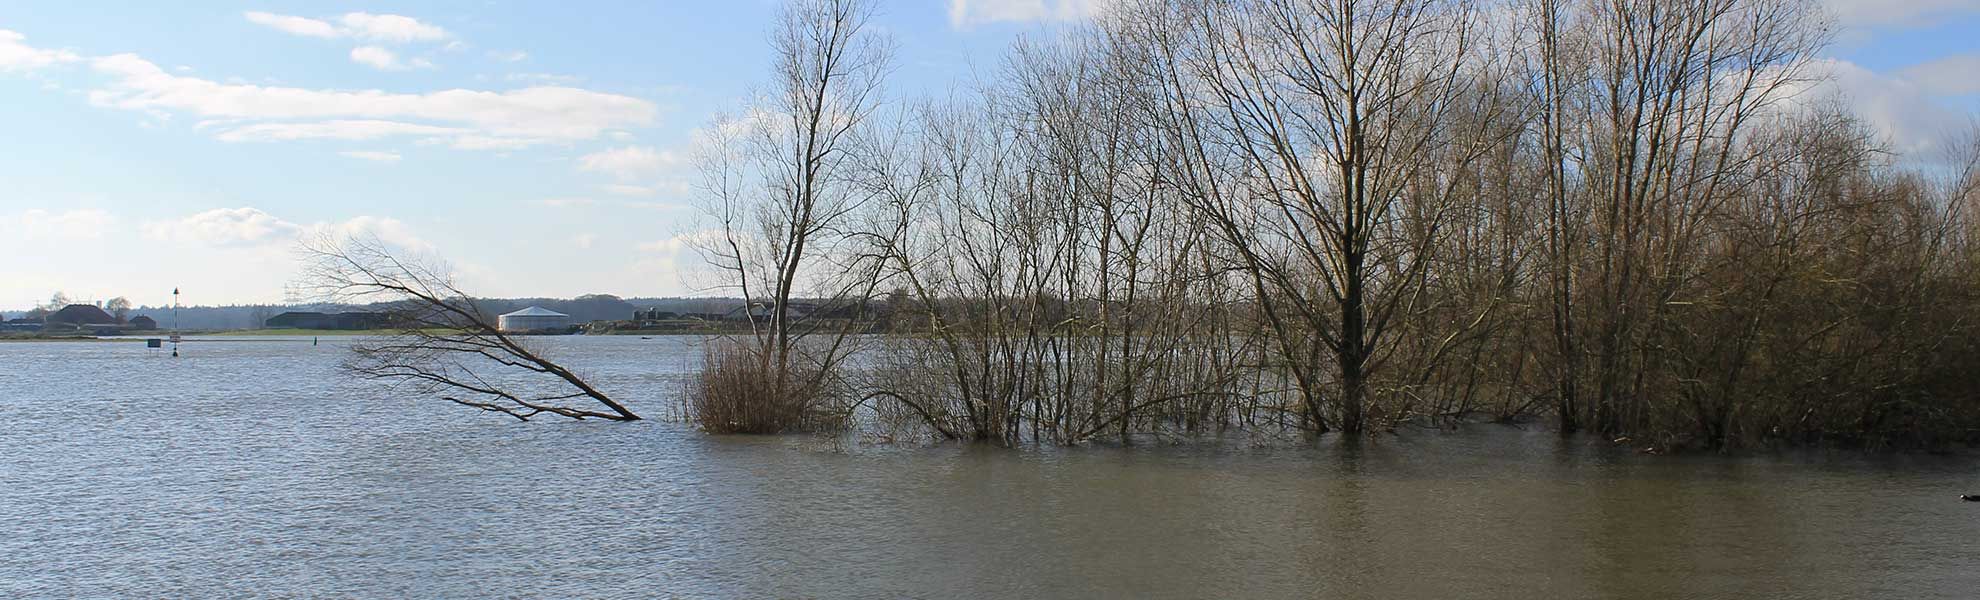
(118, 307)
(779, 183)
(1670, 88)
(446, 343)
(1334, 112)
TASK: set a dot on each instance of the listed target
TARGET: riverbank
(43, 337)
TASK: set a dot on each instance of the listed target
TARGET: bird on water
(1971, 497)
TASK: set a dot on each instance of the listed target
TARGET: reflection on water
(252, 468)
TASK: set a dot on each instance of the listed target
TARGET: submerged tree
(445, 344)
(1325, 135)
(780, 185)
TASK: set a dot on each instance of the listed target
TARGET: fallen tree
(444, 342)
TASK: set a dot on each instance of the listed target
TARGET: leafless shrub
(739, 391)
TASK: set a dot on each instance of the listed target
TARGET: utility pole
(175, 322)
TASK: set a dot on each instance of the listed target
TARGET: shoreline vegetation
(1201, 217)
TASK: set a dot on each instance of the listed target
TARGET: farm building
(80, 316)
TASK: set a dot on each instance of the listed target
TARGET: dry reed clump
(738, 391)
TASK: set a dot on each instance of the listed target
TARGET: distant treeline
(591, 307)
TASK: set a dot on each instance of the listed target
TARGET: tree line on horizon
(588, 307)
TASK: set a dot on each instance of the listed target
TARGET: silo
(533, 319)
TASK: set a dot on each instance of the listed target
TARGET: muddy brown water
(253, 468)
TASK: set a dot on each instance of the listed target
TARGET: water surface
(252, 468)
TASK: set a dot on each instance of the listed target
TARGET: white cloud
(240, 111)
(567, 202)
(372, 155)
(1955, 75)
(295, 25)
(355, 130)
(397, 29)
(964, 13)
(621, 189)
(654, 205)
(542, 78)
(251, 227)
(685, 241)
(672, 244)
(1901, 110)
(629, 162)
(390, 28)
(385, 229)
(584, 240)
(512, 56)
(385, 60)
(223, 227)
(16, 55)
(1897, 13)
(69, 225)
(484, 142)
(480, 119)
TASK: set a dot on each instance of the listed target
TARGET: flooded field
(254, 468)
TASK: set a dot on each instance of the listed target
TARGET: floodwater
(252, 468)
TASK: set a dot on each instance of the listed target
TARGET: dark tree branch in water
(445, 343)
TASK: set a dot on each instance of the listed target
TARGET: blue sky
(541, 147)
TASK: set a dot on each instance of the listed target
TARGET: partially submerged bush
(740, 391)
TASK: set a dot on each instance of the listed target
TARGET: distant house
(22, 324)
(80, 316)
(143, 323)
(361, 320)
(317, 320)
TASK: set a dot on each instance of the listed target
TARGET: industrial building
(534, 319)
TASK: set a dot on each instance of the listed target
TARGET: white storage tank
(533, 319)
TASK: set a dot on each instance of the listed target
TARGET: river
(254, 468)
